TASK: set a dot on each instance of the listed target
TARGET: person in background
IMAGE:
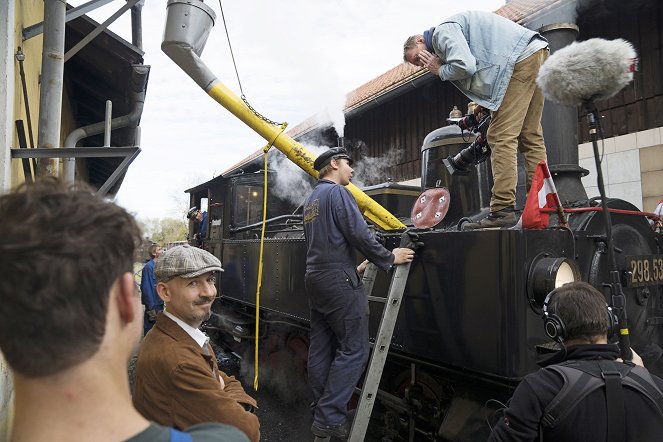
(338, 351)
(148, 288)
(200, 224)
(494, 62)
(71, 318)
(178, 381)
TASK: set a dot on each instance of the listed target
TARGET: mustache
(206, 300)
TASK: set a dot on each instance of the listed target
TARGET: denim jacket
(478, 51)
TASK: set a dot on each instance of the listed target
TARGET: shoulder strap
(640, 379)
(577, 385)
(614, 397)
(179, 436)
(583, 377)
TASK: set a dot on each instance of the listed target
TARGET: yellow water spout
(187, 27)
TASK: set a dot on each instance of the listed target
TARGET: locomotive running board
(381, 347)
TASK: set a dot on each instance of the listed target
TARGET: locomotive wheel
(427, 399)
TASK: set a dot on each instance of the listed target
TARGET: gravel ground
(283, 400)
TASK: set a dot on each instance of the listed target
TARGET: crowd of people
(67, 258)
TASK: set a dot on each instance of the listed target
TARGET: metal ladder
(381, 348)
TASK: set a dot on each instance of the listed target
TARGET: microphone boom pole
(618, 300)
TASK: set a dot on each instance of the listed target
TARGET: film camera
(479, 150)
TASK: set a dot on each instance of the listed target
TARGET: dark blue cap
(335, 153)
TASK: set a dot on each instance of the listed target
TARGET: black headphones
(555, 328)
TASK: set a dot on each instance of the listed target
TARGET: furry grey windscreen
(592, 70)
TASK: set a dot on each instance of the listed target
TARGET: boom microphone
(591, 70)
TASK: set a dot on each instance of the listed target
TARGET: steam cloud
(294, 185)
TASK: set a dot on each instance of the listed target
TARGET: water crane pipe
(188, 24)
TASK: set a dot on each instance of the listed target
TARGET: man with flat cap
(338, 350)
(178, 381)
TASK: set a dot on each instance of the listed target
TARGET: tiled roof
(390, 80)
(309, 124)
(515, 10)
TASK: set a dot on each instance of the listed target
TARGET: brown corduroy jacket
(177, 383)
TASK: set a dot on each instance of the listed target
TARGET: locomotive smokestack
(560, 126)
(560, 123)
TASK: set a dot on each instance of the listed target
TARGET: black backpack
(581, 377)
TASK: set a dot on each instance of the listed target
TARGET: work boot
(501, 219)
(340, 431)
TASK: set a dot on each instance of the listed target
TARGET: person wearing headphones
(584, 392)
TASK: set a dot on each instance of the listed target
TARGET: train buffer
(381, 347)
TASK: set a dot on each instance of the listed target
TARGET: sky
(295, 58)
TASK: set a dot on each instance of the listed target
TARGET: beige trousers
(516, 126)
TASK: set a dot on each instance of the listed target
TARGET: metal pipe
(20, 56)
(139, 85)
(137, 25)
(188, 24)
(52, 72)
(107, 123)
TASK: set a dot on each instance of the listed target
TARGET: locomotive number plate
(644, 270)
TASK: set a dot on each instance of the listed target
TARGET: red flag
(541, 194)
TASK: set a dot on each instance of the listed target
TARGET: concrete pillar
(6, 90)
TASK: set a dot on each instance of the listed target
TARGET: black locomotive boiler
(469, 327)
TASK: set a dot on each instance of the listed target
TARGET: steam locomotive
(469, 326)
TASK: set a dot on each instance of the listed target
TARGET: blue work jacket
(334, 228)
(148, 288)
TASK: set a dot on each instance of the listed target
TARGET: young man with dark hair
(70, 318)
(334, 229)
(148, 289)
(178, 381)
(584, 392)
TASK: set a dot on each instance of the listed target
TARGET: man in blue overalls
(339, 346)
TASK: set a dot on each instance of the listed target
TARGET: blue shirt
(148, 287)
(202, 227)
(479, 50)
(334, 228)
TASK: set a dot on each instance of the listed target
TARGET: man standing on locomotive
(494, 62)
(338, 350)
(583, 393)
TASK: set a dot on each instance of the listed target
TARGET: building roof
(519, 11)
(100, 71)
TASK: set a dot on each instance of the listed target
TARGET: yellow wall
(6, 399)
(27, 13)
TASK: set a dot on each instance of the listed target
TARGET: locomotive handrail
(188, 24)
(269, 221)
(651, 215)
